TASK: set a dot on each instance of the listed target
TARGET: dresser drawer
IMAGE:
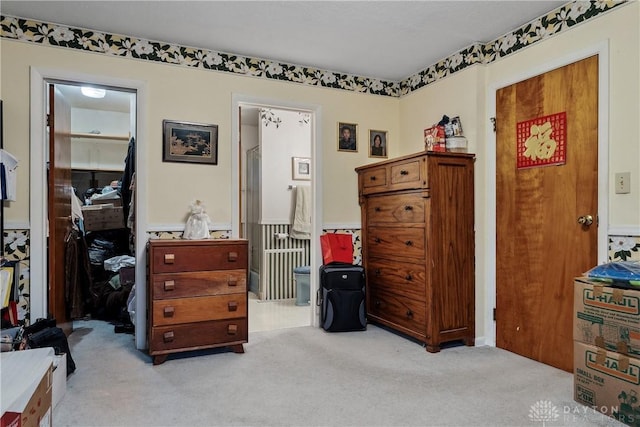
(398, 310)
(408, 174)
(398, 242)
(399, 208)
(199, 309)
(175, 259)
(198, 335)
(199, 283)
(401, 278)
(374, 180)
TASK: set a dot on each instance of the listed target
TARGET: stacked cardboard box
(102, 217)
(26, 388)
(606, 333)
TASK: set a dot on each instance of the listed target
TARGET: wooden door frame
(238, 100)
(38, 181)
(602, 50)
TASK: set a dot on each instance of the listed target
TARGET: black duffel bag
(52, 337)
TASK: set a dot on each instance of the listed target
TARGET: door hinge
(494, 314)
(49, 120)
(493, 120)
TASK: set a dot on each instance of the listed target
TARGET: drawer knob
(372, 178)
(232, 329)
(376, 239)
(408, 208)
(377, 271)
(232, 256)
(404, 172)
(377, 303)
(169, 285)
(233, 306)
(169, 258)
(169, 311)
(168, 336)
(409, 314)
(408, 277)
(232, 281)
(408, 243)
(377, 209)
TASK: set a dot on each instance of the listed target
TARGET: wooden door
(540, 245)
(59, 204)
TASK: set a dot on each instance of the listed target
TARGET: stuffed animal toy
(197, 226)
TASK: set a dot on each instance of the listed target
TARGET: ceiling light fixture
(93, 92)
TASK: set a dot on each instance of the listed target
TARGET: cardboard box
(114, 202)
(59, 385)
(102, 217)
(607, 317)
(607, 381)
(26, 388)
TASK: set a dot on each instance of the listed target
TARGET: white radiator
(279, 258)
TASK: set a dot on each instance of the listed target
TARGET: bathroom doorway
(275, 173)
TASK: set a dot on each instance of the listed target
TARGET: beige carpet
(307, 377)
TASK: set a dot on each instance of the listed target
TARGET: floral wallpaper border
(624, 248)
(16, 249)
(536, 30)
(17, 244)
(552, 23)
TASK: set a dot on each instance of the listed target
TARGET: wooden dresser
(197, 295)
(418, 245)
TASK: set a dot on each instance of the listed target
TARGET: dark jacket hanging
(127, 176)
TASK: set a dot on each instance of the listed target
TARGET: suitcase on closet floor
(342, 298)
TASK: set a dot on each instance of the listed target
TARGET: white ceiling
(390, 40)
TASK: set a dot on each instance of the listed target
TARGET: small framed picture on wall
(347, 137)
(378, 143)
(301, 167)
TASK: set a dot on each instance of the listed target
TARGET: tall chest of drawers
(197, 295)
(418, 245)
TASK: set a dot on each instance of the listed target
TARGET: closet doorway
(275, 153)
(91, 181)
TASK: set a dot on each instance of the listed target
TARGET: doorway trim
(602, 50)
(239, 100)
(38, 181)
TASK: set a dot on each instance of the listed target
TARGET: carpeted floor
(307, 377)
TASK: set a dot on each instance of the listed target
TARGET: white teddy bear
(197, 226)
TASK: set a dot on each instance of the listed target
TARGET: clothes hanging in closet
(77, 271)
(8, 173)
(127, 177)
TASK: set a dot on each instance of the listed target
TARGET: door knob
(585, 220)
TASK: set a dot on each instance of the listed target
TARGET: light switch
(622, 182)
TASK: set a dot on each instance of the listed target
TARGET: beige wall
(205, 96)
(198, 96)
(465, 94)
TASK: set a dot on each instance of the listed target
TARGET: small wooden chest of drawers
(197, 295)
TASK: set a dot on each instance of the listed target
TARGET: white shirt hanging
(8, 174)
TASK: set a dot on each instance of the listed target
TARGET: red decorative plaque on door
(542, 141)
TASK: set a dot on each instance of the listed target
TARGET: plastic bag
(117, 262)
(619, 272)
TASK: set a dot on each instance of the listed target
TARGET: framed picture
(301, 167)
(189, 142)
(347, 137)
(378, 143)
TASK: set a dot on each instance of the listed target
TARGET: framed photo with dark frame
(378, 143)
(189, 142)
(347, 137)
